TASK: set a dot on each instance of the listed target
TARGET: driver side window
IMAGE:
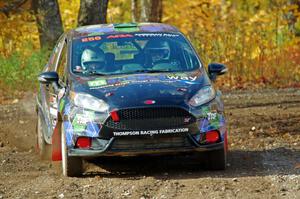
(62, 62)
(51, 65)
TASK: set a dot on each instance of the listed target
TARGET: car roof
(102, 29)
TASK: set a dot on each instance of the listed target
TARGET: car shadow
(240, 164)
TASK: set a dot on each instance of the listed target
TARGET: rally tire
(44, 149)
(216, 159)
(71, 166)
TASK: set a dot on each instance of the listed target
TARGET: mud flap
(56, 143)
(226, 141)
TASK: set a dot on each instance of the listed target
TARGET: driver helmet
(92, 59)
(158, 50)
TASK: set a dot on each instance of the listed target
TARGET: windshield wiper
(96, 73)
(90, 73)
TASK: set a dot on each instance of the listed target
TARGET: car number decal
(88, 39)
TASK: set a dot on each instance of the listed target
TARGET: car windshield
(132, 53)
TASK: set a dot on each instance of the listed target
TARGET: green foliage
(256, 39)
(20, 72)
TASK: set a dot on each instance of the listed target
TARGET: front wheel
(71, 166)
(213, 160)
(216, 160)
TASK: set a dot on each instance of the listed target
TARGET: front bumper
(120, 139)
(108, 150)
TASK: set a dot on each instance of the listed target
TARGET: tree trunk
(151, 10)
(13, 6)
(92, 12)
(48, 20)
(134, 11)
(292, 17)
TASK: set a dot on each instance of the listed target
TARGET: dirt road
(264, 158)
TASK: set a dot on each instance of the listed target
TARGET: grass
(19, 71)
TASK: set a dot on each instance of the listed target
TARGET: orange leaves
(252, 37)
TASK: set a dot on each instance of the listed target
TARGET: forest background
(259, 40)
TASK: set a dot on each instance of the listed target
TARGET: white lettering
(211, 116)
(173, 77)
(185, 78)
(189, 78)
(151, 132)
(193, 78)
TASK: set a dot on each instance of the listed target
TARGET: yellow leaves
(291, 7)
(260, 17)
(69, 12)
(16, 32)
(252, 37)
(113, 11)
(255, 53)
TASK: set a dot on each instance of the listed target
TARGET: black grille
(146, 143)
(150, 118)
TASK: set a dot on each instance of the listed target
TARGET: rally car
(128, 90)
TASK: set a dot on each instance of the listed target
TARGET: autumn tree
(12, 6)
(146, 11)
(134, 11)
(292, 15)
(92, 12)
(48, 20)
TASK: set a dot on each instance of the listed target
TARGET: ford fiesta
(128, 90)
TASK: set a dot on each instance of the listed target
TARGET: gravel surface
(264, 158)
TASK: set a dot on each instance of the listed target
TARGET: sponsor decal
(88, 39)
(177, 77)
(119, 36)
(95, 34)
(62, 104)
(69, 132)
(211, 116)
(140, 79)
(151, 132)
(210, 120)
(79, 124)
(156, 35)
(97, 82)
(80, 120)
(122, 81)
(111, 85)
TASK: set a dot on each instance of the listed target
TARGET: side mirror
(48, 77)
(216, 69)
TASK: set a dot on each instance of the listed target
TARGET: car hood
(137, 90)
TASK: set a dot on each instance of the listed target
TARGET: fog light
(212, 136)
(84, 142)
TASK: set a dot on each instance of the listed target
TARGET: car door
(56, 63)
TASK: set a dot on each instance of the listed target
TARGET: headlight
(89, 102)
(203, 96)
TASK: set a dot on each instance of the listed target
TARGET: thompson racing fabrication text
(151, 132)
